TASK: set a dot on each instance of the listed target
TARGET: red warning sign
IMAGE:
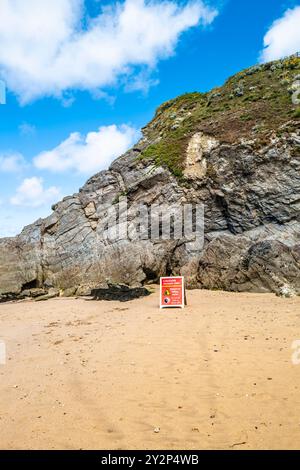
(172, 292)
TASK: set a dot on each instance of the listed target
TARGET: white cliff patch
(199, 147)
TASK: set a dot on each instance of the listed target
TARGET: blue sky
(82, 89)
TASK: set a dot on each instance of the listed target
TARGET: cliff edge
(235, 150)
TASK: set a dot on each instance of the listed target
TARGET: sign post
(172, 292)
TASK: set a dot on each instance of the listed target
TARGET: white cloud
(32, 193)
(283, 38)
(26, 129)
(12, 163)
(45, 49)
(88, 154)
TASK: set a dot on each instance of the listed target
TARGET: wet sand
(104, 375)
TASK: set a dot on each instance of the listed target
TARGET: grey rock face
(252, 228)
(253, 262)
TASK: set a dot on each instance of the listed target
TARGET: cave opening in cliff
(30, 285)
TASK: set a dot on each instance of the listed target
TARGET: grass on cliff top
(250, 104)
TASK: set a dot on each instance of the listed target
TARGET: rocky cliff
(235, 150)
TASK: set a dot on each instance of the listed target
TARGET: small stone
(286, 291)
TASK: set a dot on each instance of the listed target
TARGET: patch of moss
(118, 197)
(167, 153)
(297, 113)
(246, 117)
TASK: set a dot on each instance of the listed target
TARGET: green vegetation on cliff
(251, 104)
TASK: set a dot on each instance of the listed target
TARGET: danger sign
(172, 293)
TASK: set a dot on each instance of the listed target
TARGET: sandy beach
(104, 375)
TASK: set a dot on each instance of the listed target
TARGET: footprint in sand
(52, 324)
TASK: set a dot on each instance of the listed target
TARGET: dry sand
(104, 375)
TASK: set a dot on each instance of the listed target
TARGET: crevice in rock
(30, 285)
(151, 276)
(223, 205)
